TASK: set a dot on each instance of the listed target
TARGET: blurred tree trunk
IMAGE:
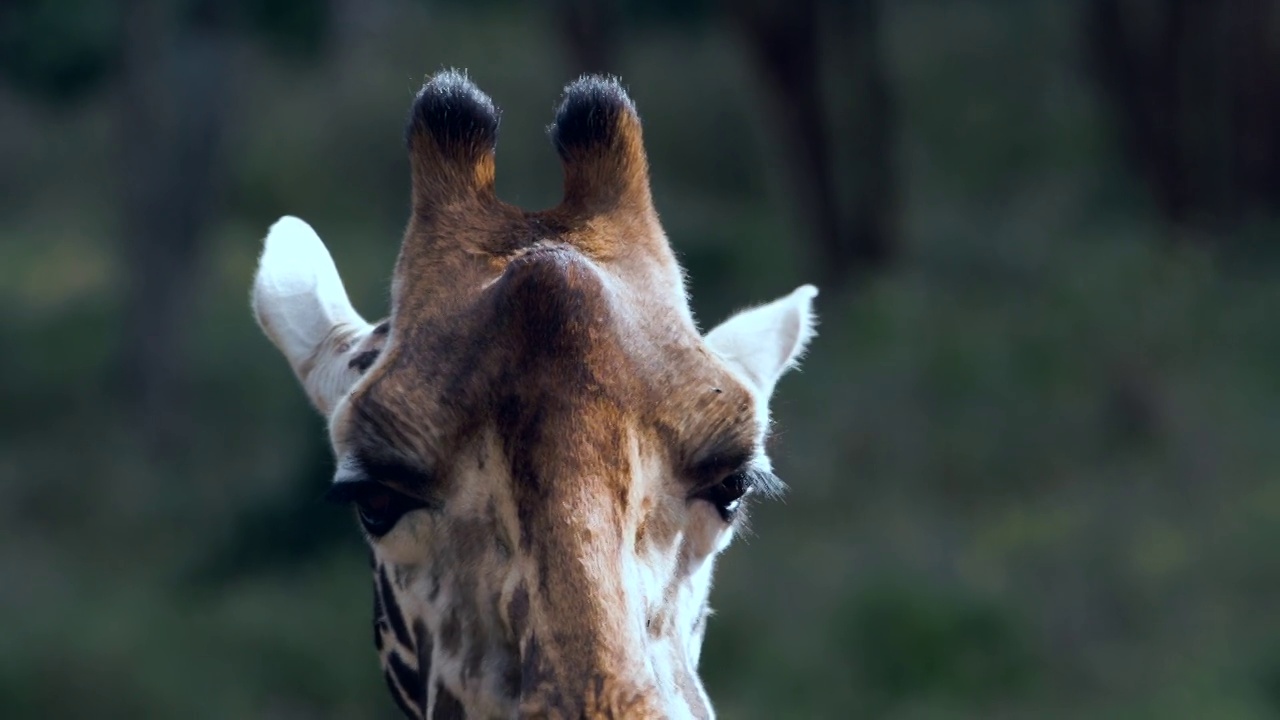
(1254, 42)
(782, 39)
(172, 122)
(872, 229)
(1194, 91)
(589, 30)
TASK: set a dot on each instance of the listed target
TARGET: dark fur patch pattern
(363, 361)
(391, 609)
(448, 706)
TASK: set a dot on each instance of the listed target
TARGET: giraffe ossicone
(544, 453)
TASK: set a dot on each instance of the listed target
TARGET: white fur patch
(764, 342)
(302, 306)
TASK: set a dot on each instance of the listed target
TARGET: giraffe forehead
(555, 345)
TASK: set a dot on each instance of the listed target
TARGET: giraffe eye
(378, 507)
(728, 495)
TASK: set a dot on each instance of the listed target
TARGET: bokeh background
(1033, 453)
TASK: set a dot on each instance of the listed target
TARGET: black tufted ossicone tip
(589, 115)
(451, 110)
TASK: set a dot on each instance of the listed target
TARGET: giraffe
(544, 453)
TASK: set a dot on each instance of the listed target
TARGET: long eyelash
(764, 483)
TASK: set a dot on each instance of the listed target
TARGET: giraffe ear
(764, 342)
(300, 303)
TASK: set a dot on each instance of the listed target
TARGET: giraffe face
(543, 452)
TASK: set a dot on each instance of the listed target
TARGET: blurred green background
(1033, 453)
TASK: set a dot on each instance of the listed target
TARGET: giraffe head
(544, 453)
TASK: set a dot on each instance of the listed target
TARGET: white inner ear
(302, 306)
(764, 342)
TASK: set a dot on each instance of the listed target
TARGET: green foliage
(680, 13)
(293, 531)
(58, 51)
(677, 13)
(908, 643)
(294, 28)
